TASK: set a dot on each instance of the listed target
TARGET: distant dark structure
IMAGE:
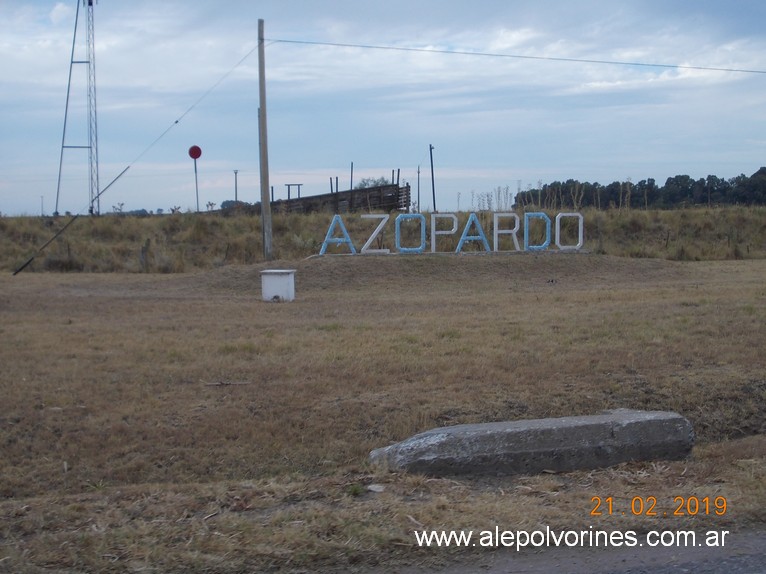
(385, 198)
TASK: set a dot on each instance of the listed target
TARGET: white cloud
(493, 120)
(61, 13)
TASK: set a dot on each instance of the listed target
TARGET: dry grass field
(176, 423)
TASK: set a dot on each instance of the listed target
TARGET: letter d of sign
(529, 216)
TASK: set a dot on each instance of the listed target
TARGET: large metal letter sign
(336, 220)
(465, 237)
(511, 232)
(537, 215)
(403, 217)
(580, 226)
(337, 228)
(434, 232)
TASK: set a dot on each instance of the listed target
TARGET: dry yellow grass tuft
(176, 422)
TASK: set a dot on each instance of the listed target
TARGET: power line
(188, 110)
(150, 146)
(425, 50)
(520, 56)
(196, 103)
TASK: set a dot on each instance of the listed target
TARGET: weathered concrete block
(532, 446)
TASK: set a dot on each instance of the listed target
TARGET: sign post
(195, 152)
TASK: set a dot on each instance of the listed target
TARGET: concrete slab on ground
(533, 446)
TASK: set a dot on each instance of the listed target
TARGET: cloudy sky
(493, 120)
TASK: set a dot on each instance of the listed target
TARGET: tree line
(678, 191)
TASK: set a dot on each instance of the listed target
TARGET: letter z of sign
(383, 220)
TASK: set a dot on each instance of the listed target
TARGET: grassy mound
(187, 242)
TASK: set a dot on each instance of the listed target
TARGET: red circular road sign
(195, 152)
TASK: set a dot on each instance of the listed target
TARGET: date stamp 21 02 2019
(649, 506)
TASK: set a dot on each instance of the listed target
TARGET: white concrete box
(278, 284)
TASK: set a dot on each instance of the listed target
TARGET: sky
(174, 74)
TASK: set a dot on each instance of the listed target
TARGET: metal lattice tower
(92, 147)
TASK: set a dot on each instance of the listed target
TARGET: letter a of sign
(329, 239)
(472, 220)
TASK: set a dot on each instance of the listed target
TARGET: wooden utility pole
(420, 207)
(433, 184)
(264, 147)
